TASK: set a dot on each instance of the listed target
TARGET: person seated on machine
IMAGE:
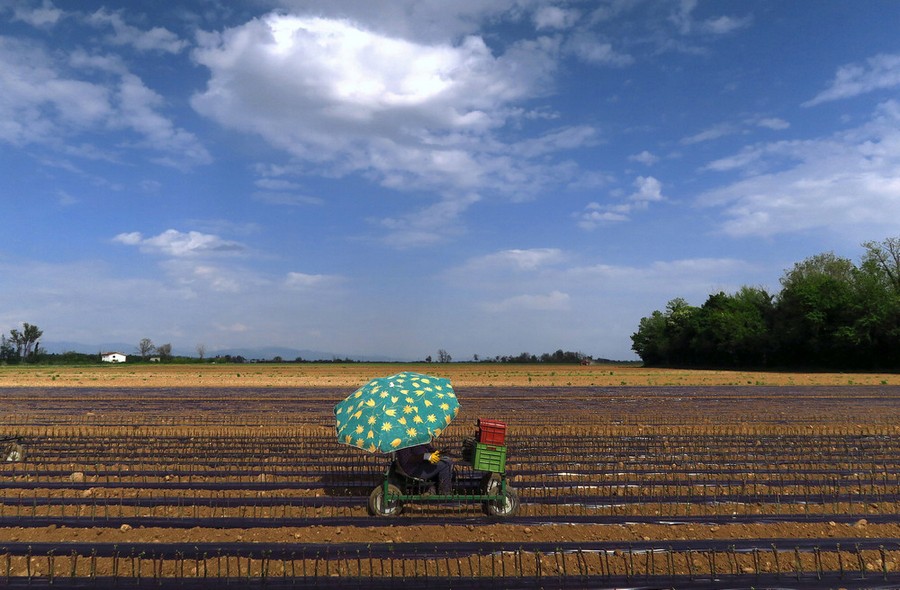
(425, 462)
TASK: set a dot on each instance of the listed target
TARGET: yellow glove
(435, 457)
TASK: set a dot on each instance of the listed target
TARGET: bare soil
(255, 378)
(260, 375)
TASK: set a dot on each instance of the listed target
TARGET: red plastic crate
(491, 432)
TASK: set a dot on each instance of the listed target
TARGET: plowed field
(188, 476)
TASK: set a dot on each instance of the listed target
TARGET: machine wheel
(377, 505)
(508, 506)
(13, 452)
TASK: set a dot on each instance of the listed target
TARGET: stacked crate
(490, 446)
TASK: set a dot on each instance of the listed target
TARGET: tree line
(22, 345)
(830, 313)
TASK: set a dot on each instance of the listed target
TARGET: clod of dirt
(77, 477)
(125, 528)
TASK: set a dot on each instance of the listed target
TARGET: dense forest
(830, 314)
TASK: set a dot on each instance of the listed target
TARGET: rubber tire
(14, 453)
(376, 505)
(509, 506)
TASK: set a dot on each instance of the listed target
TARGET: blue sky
(487, 177)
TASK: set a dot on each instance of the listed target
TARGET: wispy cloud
(179, 244)
(55, 103)
(839, 183)
(554, 17)
(155, 39)
(648, 190)
(877, 73)
(45, 16)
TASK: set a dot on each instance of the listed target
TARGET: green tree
(876, 330)
(815, 312)
(7, 350)
(733, 330)
(882, 259)
(651, 342)
(665, 338)
(26, 341)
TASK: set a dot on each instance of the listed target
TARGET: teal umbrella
(392, 413)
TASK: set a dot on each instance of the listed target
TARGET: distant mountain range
(249, 353)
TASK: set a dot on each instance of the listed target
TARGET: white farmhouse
(113, 357)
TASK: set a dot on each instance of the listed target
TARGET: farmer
(425, 462)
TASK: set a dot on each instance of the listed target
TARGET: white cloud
(686, 24)
(644, 157)
(568, 138)
(554, 17)
(724, 24)
(742, 127)
(156, 39)
(304, 281)
(180, 244)
(38, 103)
(421, 20)
(427, 226)
(596, 214)
(649, 190)
(415, 115)
(847, 183)
(137, 110)
(596, 51)
(773, 123)
(712, 133)
(878, 73)
(46, 102)
(45, 16)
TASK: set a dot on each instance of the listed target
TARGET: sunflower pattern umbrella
(392, 413)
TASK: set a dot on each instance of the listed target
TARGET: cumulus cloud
(413, 115)
(349, 98)
(648, 190)
(178, 244)
(839, 183)
(877, 73)
(410, 19)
